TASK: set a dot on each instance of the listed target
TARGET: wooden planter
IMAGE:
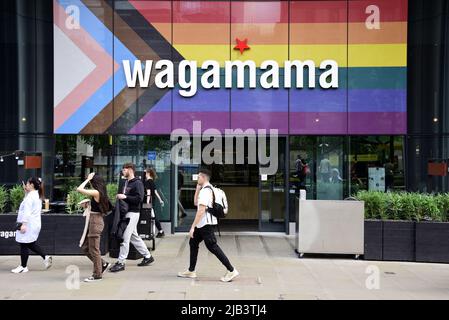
(373, 240)
(432, 242)
(60, 234)
(398, 240)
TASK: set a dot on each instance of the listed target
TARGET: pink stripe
(94, 80)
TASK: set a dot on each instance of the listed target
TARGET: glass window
(376, 163)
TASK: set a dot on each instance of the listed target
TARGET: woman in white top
(30, 219)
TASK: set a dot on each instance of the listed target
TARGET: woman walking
(150, 194)
(98, 206)
(29, 224)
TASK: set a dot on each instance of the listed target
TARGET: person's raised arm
(88, 192)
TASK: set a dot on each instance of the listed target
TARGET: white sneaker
(48, 261)
(20, 269)
(187, 274)
(230, 275)
(92, 279)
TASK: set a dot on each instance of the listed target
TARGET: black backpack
(217, 209)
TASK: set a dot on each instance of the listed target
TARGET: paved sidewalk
(268, 265)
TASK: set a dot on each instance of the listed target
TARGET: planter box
(60, 234)
(432, 242)
(398, 240)
(373, 240)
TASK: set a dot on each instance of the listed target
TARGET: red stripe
(201, 11)
(389, 10)
(318, 11)
(259, 12)
(154, 11)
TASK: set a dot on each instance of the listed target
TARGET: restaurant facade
(356, 89)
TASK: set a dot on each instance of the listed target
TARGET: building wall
(93, 37)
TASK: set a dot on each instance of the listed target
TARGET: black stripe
(153, 38)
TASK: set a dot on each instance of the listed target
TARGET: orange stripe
(201, 33)
(277, 33)
(164, 29)
(318, 33)
(389, 32)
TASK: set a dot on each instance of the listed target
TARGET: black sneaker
(105, 267)
(160, 234)
(117, 267)
(146, 262)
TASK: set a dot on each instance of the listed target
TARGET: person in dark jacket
(150, 196)
(132, 194)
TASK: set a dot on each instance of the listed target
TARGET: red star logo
(241, 45)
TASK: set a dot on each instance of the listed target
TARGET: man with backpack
(202, 227)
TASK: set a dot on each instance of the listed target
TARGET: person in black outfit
(151, 194)
(132, 193)
(90, 241)
(202, 229)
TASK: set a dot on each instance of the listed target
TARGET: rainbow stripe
(371, 98)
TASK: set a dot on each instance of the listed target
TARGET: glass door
(272, 191)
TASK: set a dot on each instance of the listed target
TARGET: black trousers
(24, 252)
(206, 233)
(158, 224)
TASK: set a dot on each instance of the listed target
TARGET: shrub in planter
(375, 204)
(442, 201)
(112, 189)
(16, 195)
(3, 199)
(72, 200)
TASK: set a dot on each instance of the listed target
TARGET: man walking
(202, 229)
(132, 194)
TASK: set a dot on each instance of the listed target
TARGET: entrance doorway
(256, 202)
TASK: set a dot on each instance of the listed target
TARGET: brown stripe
(106, 117)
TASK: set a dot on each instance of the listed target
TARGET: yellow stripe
(360, 55)
(203, 52)
(377, 55)
(320, 52)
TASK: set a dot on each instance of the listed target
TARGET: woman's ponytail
(38, 185)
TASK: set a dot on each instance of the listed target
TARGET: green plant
(16, 195)
(408, 203)
(394, 205)
(410, 206)
(112, 189)
(72, 200)
(70, 185)
(442, 201)
(3, 199)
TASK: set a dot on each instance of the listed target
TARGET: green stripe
(359, 78)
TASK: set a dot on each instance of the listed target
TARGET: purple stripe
(260, 120)
(377, 123)
(318, 100)
(153, 123)
(204, 101)
(377, 100)
(318, 123)
(216, 120)
(260, 100)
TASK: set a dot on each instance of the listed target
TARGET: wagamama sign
(139, 74)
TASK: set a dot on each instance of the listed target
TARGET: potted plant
(375, 208)
(432, 234)
(16, 195)
(398, 240)
(72, 200)
(3, 199)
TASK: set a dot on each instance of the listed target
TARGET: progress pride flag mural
(367, 40)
